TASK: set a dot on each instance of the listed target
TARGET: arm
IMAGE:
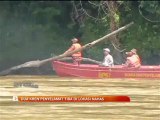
(110, 62)
(70, 49)
(127, 63)
(105, 62)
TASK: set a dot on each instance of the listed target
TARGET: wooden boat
(95, 71)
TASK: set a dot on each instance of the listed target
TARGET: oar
(38, 63)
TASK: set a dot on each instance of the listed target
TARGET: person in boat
(108, 59)
(77, 57)
(133, 59)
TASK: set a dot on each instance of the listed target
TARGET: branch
(145, 17)
(96, 19)
(117, 48)
(93, 3)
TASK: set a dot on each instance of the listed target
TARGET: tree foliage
(36, 29)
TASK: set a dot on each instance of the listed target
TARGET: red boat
(65, 69)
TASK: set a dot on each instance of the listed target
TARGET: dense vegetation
(32, 30)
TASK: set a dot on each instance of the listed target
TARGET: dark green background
(31, 30)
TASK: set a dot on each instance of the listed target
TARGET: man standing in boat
(77, 57)
(133, 60)
(108, 59)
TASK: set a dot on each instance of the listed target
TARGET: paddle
(38, 63)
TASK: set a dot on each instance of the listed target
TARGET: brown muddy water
(144, 94)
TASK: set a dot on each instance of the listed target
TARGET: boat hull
(95, 71)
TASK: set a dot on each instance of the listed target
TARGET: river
(144, 94)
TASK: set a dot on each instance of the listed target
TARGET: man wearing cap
(133, 59)
(77, 57)
(134, 51)
(108, 59)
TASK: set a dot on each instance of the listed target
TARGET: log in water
(144, 94)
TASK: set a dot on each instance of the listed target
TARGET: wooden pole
(38, 63)
(83, 59)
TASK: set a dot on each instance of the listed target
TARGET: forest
(31, 30)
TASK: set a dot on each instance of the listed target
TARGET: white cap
(106, 49)
(75, 39)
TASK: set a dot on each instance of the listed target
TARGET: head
(129, 54)
(134, 51)
(106, 51)
(75, 40)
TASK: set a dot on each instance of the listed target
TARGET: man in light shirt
(108, 59)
